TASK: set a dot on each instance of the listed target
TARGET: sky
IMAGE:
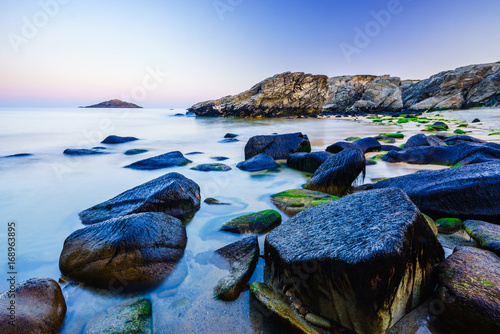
(174, 53)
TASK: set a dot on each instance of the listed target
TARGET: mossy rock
(135, 151)
(494, 134)
(352, 138)
(212, 167)
(403, 120)
(432, 224)
(460, 132)
(449, 225)
(487, 235)
(463, 125)
(258, 222)
(397, 135)
(297, 200)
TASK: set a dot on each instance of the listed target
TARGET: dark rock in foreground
(469, 288)
(240, 258)
(486, 235)
(258, 222)
(118, 140)
(39, 307)
(171, 159)
(129, 317)
(277, 146)
(257, 163)
(468, 192)
(297, 200)
(124, 254)
(77, 151)
(114, 104)
(363, 261)
(307, 162)
(215, 167)
(336, 175)
(172, 193)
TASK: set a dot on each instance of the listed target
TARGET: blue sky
(171, 53)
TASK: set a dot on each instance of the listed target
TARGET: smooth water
(43, 194)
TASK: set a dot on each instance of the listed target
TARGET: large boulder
(453, 140)
(423, 140)
(468, 192)
(277, 146)
(124, 254)
(307, 162)
(35, 306)
(486, 235)
(469, 288)
(257, 163)
(365, 145)
(257, 222)
(171, 159)
(118, 140)
(294, 201)
(171, 193)
(363, 261)
(336, 175)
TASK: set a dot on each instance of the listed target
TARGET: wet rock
(258, 222)
(397, 135)
(257, 163)
(135, 151)
(83, 151)
(307, 162)
(129, 317)
(468, 192)
(229, 140)
(219, 158)
(476, 120)
(297, 200)
(363, 261)
(277, 146)
(19, 155)
(194, 153)
(423, 140)
(230, 135)
(124, 254)
(365, 145)
(240, 258)
(336, 175)
(118, 140)
(340, 146)
(172, 193)
(214, 167)
(213, 201)
(440, 126)
(486, 235)
(171, 159)
(39, 307)
(389, 148)
(179, 115)
(449, 225)
(469, 288)
(453, 140)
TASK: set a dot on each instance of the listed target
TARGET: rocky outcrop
(383, 94)
(258, 222)
(35, 306)
(297, 200)
(277, 146)
(114, 104)
(362, 261)
(172, 193)
(171, 159)
(124, 254)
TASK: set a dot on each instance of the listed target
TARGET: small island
(114, 104)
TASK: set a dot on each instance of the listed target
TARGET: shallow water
(43, 194)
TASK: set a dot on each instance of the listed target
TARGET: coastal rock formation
(468, 192)
(344, 91)
(257, 163)
(362, 261)
(277, 146)
(172, 193)
(114, 104)
(297, 200)
(125, 254)
(486, 235)
(258, 222)
(118, 140)
(384, 93)
(307, 162)
(171, 159)
(39, 307)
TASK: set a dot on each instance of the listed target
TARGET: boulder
(468, 192)
(229, 140)
(449, 225)
(363, 261)
(257, 163)
(219, 158)
(135, 151)
(469, 289)
(486, 235)
(440, 126)
(423, 140)
(171, 159)
(240, 258)
(297, 200)
(129, 317)
(453, 140)
(277, 146)
(35, 306)
(214, 201)
(118, 140)
(336, 175)
(83, 151)
(171, 193)
(230, 135)
(258, 222)
(365, 145)
(307, 162)
(214, 167)
(389, 148)
(124, 254)
(476, 120)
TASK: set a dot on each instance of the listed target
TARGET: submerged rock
(219, 158)
(257, 163)
(307, 162)
(336, 175)
(468, 192)
(486, 235)
(124, 254)
(39, 307)
(229, 140)
(82, 151)
(118, 140)
(215, 167)
(240, 258)
(172, 193)
(469, 288)
(129, 317)
(297, 200)
(214, 201)
(135, 151)
(230, 135)
(166, 160)
(258, 222)
(19, 155)
(363, 261)
(277, 146)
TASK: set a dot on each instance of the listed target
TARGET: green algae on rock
(212, 167)
(258, 222)
(449, 225)
(396, 135)
(486, 234)
(297, 200)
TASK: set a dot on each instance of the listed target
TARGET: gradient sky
(89, 51)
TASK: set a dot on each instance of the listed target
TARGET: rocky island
(114, 104)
